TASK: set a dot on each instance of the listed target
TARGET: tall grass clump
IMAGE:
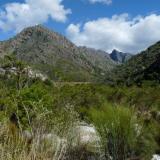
(123, 135)
(45, 138)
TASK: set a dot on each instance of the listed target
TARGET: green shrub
(121, 133)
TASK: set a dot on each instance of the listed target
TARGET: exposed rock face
(56, 56)
(120, 57)
(156, 157)
(83, 135)
(141, 67)
(87, 134)
(28, 71)
(98, 58)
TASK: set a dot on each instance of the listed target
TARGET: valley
(59, 101)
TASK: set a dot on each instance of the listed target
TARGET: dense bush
(116, 112)
(123, 135)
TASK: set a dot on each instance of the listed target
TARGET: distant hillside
(56, 56)
(120, 57)
(141, 67)
(97, 58)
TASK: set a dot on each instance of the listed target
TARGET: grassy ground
(126, 118)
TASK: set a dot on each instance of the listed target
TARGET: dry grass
(41, 143)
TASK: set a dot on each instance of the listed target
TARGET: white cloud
(16, 16)
(119, 32)
(101, 1)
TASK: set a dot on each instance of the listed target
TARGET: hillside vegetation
(141, 67)
(56, 56)
(126, 119)
(63, 102)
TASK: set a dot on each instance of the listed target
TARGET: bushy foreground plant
(50, 137)
(46, 111)
(123, 135)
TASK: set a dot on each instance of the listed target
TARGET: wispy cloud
(119, 32)
(101, 1)
(16, 16)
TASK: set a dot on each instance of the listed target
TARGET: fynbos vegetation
(71, 106)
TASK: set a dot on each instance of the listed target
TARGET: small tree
(16, 70)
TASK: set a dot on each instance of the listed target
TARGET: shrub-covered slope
(55, 55)
(141, 67)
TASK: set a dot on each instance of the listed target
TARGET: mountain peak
(120, 57)
(143, 66)
(36, 27)
(56, 56)
(38, 30)
(41, 36)
(115, 50)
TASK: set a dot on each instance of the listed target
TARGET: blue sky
(126, 25)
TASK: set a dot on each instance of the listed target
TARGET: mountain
(141, 67)
(56, 56)
(120, 57)
(97, 58)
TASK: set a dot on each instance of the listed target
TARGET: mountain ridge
(141, 67)
(120, 57)
(55, 55)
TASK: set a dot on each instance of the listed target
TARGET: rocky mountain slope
(141, 67)
(56, 56)
(98, 58)
(120, 57)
